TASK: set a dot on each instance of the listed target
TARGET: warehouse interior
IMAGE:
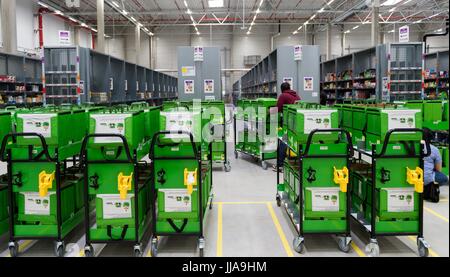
(73, 70)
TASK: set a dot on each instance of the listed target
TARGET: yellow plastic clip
(190, 179)
(45, 182)
(415, 177)
(341, 178)
(124, 184)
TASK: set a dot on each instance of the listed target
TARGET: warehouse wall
(27, 41)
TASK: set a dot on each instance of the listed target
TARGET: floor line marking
(242, 203)
(357, 249)
(219, 230)
(431, 251)
(281, 234)
(23, 246)
(435, 214)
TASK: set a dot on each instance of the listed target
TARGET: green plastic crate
(5, 124)
(347, 116)
(359, 118)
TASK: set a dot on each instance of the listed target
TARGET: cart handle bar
(337, 130)
(39, 136)
(405, 130)
(160, 133)
(124, 142)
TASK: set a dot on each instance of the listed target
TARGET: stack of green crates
(434, 113)
(112, 210)
(216, 121)
(5, 128)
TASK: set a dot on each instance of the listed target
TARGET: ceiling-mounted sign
(403, 34)
(189, 86)
(198, 53)
(298, 52)
(64, 37)
(209, 86)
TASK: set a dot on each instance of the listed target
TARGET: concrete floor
(245, 221)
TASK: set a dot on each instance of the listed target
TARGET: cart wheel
(236, 154)
(201, 247)
(227, 167)
(137, 253)
(423, 248)
(154, 248)
(373, 250)
(201, 252)
(60, 249)
(13, 249)
(264, 165)
(278, 201)
(299, 244)
(343, 245)
(89, 251)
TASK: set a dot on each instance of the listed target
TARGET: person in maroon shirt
(287, 97)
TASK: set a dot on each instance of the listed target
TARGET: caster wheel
(278, 201)
(227, 167)
(343, 245)
(137, 253)
(373, 250)
(60, 249)
(423, 248)
(13, 249)
(89, 251)
(236, 154)
(201, 252)
(299, 245)
(154, 248)
(264, 165)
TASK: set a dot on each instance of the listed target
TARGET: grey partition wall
(195, 74)
(117, 80)
(301, 68)
(436, 74)
(100, 71)
(130, 79)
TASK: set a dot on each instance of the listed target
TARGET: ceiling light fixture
(215, 3)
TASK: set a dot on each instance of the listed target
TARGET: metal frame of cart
(297, 220)
(370, 227)
(153, 195)
(131, 159)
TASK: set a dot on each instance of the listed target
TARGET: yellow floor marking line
(284, 241)
(436, 214)
(443, 200)
(357, 250)
(242, 203)
(431, 251)
(22, 247)
(81, 254)
(219, 230)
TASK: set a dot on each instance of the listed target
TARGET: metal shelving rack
(265, 78)
(25, 88)
(436, 74)
(78, 75)
(387, 72)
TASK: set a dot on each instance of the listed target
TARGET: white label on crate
(325, 199)
(316, 120)
(400, 199)
(35, 204)
(115, 207)
(270, 144)
(37, 123)
(179, 121)
(324, 148)
(401, 119)
(109, 124)
(177, 200)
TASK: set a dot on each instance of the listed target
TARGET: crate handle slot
(341, 178)
(415, 177)
(45, 182)
(124, 184)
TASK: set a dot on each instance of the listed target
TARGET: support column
(306, 34)
(101, 26)
(137, 43)
(342, 41)
(328, 41)
(9, 27)
(375, 25)
(76, 35)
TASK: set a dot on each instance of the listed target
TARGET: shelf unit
(265, 78)
(78, 75)
(20, 84)
(387, 72)
(436, 79)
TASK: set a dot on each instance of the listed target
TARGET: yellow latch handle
(341, 178)
(415, 177)
(124, 184)
(190, 179)
(45, 182)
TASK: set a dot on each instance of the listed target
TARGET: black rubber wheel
(137, 253)
(13, 251)
(154, 250)
(236, 154)
(423, 251)
(227, 167)
(299, 247)
(343, 246)
(201, 252)
(88, 251)
(60, 251)
(278, 201)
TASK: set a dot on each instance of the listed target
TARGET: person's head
(285, 86)
(428, 134)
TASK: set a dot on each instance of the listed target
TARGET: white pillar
(306, 34)
(137, 43)
(375, 26)
(100, 26)
(9, 27)
(329, 41)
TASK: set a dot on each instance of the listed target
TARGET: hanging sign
(198, 53)
(308, 83)
(209, 86)
(298, 52)
(189, 86)
(64, 37)
(403, 34)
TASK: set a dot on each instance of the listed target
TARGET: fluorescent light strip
(191, 17)
(254, 17)
(313, 16)
(116, 7)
